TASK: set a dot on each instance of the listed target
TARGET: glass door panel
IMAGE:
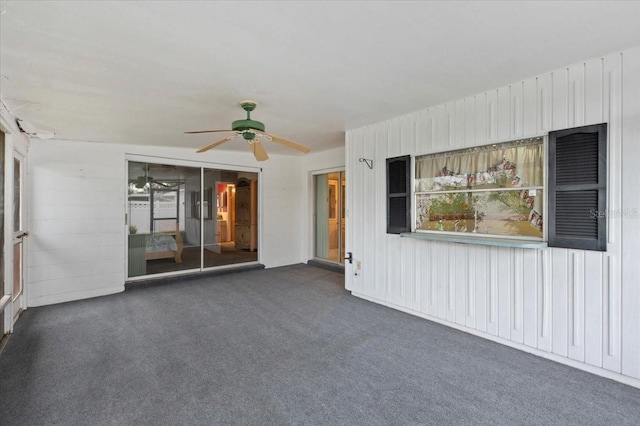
(231, 224)
(330, 211)
(164, 234)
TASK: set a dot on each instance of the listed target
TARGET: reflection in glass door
(183, 218)
(330, 216)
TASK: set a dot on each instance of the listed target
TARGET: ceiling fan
(253, 132)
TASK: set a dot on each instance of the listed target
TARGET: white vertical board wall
(582, 307)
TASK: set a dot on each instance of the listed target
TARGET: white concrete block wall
(76, 221)
(77, 199)
(574, 306)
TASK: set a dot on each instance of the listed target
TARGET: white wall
(577, 307)
(77, 217)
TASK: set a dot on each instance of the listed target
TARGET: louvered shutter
(578, 188)
(398, 195)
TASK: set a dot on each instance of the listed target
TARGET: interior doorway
(330, 216)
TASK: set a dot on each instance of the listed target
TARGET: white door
(19, 234)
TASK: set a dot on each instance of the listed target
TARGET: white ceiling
(139, 72)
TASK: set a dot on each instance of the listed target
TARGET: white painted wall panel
(576, 305)
(480, 271)
(567, 304)
(530, 282)
(504, 117)
(559, 298)
(470, 289)
(593, 307)
(545, 312)
(517, 290)
(504, 279)
(630, 217)
(613, 115)
(492, 291)
(516, 110)
(470, 122)
(530, 107)
(460, 267)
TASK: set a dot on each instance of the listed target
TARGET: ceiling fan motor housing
(247, 123)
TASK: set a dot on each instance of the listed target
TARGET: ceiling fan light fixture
(248, 136)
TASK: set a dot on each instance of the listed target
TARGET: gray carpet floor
(279, 346)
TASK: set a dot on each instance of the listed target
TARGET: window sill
(485, 241)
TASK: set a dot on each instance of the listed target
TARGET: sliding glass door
(183, 218)
(330, 216)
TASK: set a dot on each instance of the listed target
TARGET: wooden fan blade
(288, 143)
(207, 131)
(258, 150)
(216, 143)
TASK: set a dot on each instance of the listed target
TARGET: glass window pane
(506, 213)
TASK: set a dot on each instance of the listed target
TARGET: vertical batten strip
(470, 298)
(571, 100)
(434, 279)
(494, 284)
(610, 308)
(450, 276)
(612, 112)
(574, 101)
(584, 93)
(515, 112)
(575, 300)
(490, 285)
(607, 293)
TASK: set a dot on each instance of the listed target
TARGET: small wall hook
(368, 162)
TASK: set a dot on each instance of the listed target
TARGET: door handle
(349, 257)
(23, 234)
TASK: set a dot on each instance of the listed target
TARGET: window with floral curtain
(492, 190)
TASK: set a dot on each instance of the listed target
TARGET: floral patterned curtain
(510, 164)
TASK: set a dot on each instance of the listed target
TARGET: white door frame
(15, 143)
(18, 236)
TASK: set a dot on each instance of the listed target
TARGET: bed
(164, 245)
